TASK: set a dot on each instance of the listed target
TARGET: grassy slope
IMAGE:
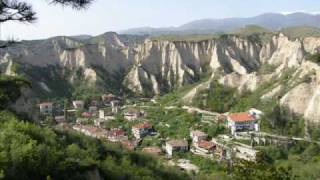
(301, 32)
(193, 38)
(251, 29)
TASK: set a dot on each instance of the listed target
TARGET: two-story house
(46, 108)
(239, 122)
(198, 136)
(141, 130)
(176, 146)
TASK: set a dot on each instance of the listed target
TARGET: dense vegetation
(301, 158)
(251, 29)
(10, 89)
(31, 152)
(217, 98)
(314, 58)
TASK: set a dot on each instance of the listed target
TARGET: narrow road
(201, 111)
(264, 134)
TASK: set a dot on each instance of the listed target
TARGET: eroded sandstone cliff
(153, 67)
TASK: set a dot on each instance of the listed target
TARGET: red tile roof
(117, 133)
(241, 117)
(206, 145)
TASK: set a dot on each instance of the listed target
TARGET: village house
(117, 135)
(91, 131)
(95, 103)
(108, 98)
(198, 136)
(78, 105)
(152, 150)
(132, 114)
(115, 106)
(46, 108)
(99, 121)
(244, 121)
(105, 114)
(205, 147)
(59, 119)
(93, 109)
(176, 146)
(141, 130)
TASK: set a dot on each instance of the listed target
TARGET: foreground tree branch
(16, 11)
(22, 11)
(77, 4)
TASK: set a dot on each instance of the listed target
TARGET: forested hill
(31, 152)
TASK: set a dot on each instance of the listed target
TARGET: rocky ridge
(153, 67)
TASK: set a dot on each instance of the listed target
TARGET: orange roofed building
(244, 121)
(206, 146)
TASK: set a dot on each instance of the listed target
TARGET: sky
(113, 15)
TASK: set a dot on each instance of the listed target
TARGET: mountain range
(272, 21)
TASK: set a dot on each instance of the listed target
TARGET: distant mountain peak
(272, 21)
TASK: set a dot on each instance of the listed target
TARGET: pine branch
(16, 11)
(77, 4)
(21, 11)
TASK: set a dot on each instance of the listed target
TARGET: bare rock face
(304, 98)
(312, 45)
(158, 66)
(174, 64)
(284, 52)
(296, 98)
(273, 93)
(312, 112)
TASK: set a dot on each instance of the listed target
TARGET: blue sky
(113, 15)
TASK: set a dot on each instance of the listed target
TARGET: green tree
(10, 89)
(245, 170)
(65, 109)
(220, 98)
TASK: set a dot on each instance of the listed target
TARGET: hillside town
(127, 123)
(93, 118)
